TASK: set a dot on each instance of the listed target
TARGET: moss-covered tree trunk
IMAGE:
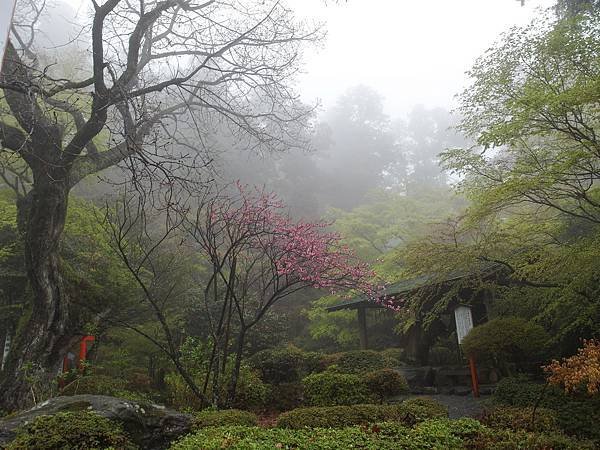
(43, 335)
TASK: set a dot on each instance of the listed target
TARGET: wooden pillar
(362, 326)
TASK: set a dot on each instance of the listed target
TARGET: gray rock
(150, 426)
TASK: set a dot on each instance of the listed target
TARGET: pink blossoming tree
(259, 256)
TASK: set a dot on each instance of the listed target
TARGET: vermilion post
(83, 350)
(474, 380)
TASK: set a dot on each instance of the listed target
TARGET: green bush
(278, 365)
(437, 434)
(338, 416)
(251, 392)
(105, 385)
(327, 388)
(243, 438)
(70, 431)
(285, 365)
(285, 396)
(506, 340)
(517, 391)
(394, 355)
(179, 395)
(468, 433)
(508, 440)
(224, 417)
(385, 383)
(577, 416)
(423, 408)
(519, 418)
(407, 412)
(361, 361)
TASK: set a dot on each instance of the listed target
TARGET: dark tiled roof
(412, 284)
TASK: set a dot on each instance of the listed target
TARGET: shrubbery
(577, 416)
(385, 383)
(339, 416)
(361, 361)
(516, 418)
(285, 365)
(224, 417)
(327, 388)
(285, 396)
(243, 438)
(506, 340)
(105, 385)
(251, 392)
(407, 412)
(393, 355)
(422, 408)
(332, 388)
(432, 434)
(179, 394)
(278, 365)
(71, 431)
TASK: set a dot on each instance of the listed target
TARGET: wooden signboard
(464, 323)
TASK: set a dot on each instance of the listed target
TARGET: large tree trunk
(44, 334)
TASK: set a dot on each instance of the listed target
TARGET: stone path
(461, 405)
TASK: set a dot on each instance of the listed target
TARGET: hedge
(408, 412)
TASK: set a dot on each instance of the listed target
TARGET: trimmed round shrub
(423, 408)
(285, 365)
(506, 340)
(278, 365)
(517, 391)
(515, 418)
(71, 431)
(328, 388)
(385, 383)
(224, 417)
(361, 361)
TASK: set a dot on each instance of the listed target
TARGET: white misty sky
(410, 51)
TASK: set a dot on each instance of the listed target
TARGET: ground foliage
(431, 434)
(71, 431)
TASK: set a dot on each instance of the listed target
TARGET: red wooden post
(83, 350)
(474, 380)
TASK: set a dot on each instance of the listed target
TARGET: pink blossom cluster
(298, 252)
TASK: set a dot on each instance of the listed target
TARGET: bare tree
(150, 245)
(157, 70)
